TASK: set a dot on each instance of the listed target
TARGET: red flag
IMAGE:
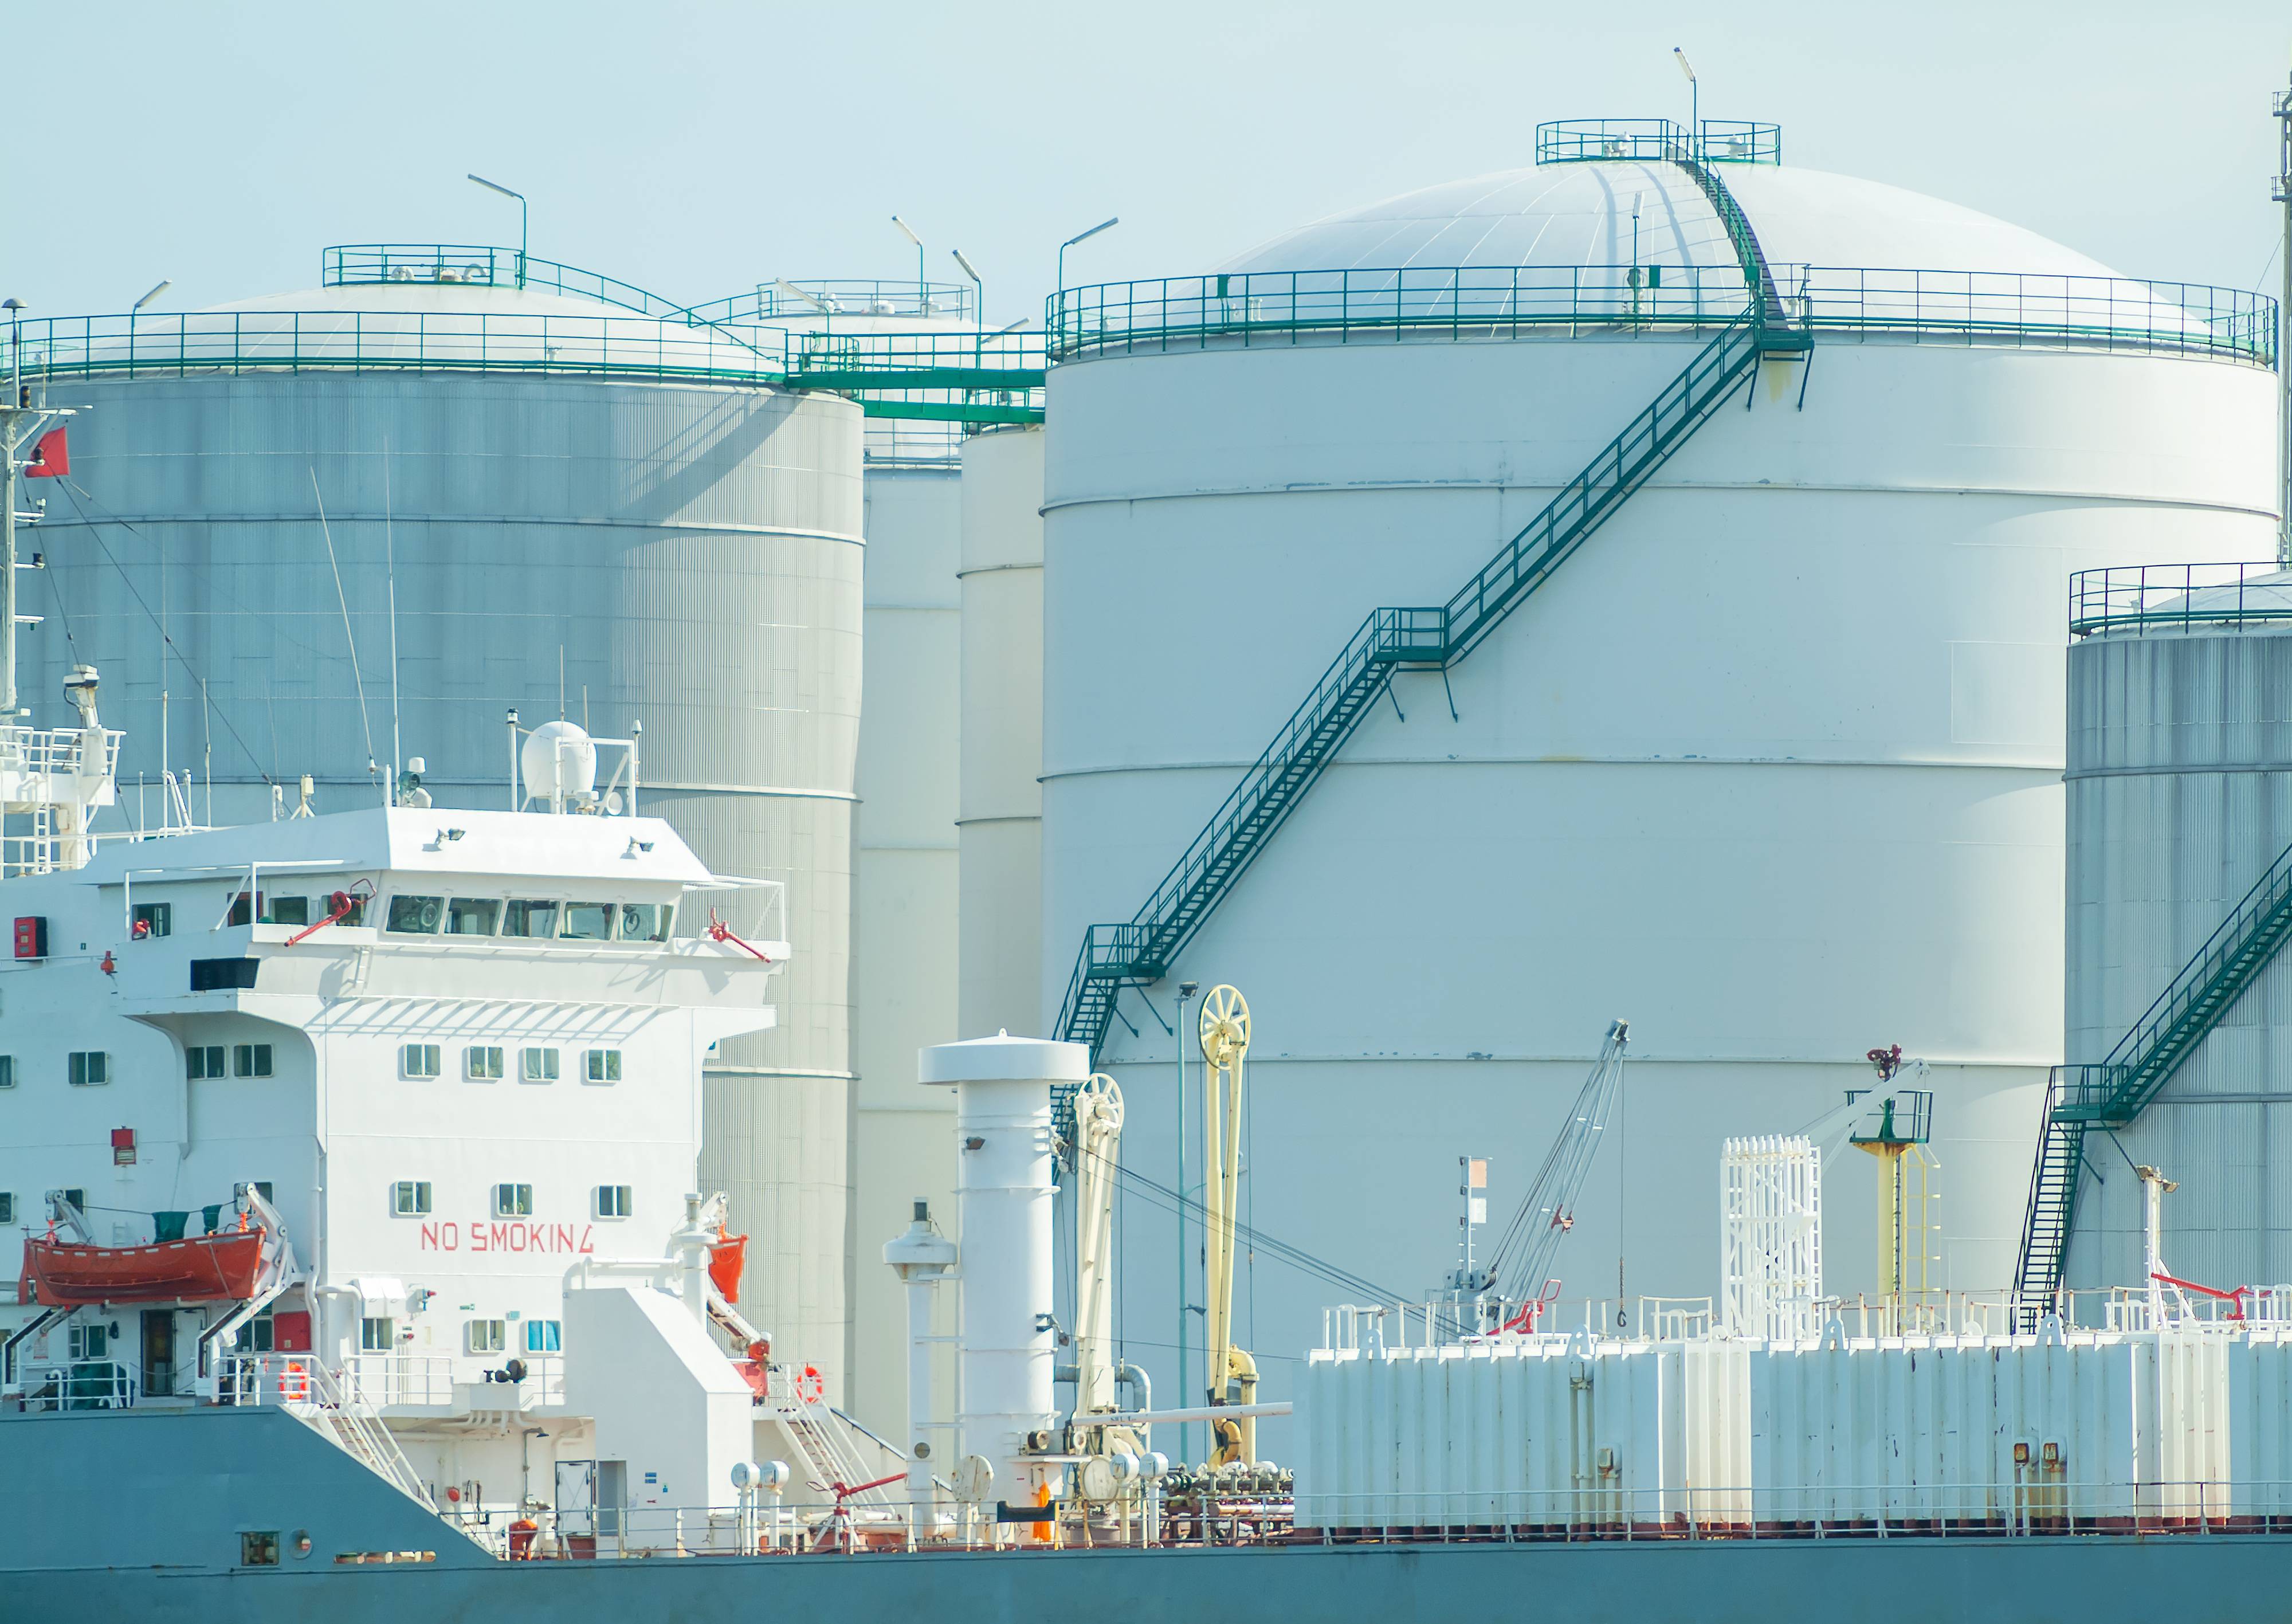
(51, 458)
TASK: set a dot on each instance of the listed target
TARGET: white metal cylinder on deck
(919, 1386)
(1003, 1197)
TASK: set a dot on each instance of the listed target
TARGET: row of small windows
(410, 1198)
(149, 920)
(92, 1068)
(522, 918)
(380, 1335)
(528, 918)
(481, 1064)
(486, 1064)
(202, 1061)
(85, 1069)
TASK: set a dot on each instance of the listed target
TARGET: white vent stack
(1004, 1195)
(1770, 1236)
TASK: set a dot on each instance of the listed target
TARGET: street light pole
(909, 231)
(1103, 225)
(979, 325)
(1694, 102)
(2284, 331)
(520, 196)
(1186, 991)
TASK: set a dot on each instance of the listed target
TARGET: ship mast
(2283, 195)
(55, 779)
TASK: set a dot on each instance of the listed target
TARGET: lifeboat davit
(205, 1269)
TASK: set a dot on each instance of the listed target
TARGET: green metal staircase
(1141, 949)
(2112, 1094)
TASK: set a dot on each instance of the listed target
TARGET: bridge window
(588, 921)
(523, 917)
(646, 921)
(415, 915)
(472, 915)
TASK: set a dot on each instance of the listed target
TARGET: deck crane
(1232, 1374)
(1097, 1162)
(1547, 1212)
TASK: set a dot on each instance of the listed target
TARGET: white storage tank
(2180, 800)
(1770, 766)
(907, 954)
(1000, 824)
(589, 500)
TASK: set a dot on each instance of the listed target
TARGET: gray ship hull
(139, 1515)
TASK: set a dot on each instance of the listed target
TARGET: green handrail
(361, 264)
(2176, 597)
(1141, 950)
(1607, 140)
(2113, 1092)
(1430, 303)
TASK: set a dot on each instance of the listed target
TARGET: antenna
(390, 568)
(561, 681)
(357, 681)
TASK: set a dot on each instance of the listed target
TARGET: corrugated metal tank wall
(1772, 767)
(694, 553)
(2180, 796)
(1001, 822)
(904, 942)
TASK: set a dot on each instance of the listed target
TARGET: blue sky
(697, 148)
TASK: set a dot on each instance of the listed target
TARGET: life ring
(295, 1382)
(811, 1386)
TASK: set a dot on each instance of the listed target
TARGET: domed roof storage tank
(1637, 579)
(592, 501)
(2180, 885)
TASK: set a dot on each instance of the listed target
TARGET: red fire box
(31, 938)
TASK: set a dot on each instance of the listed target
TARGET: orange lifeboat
(205, 1269)
(726, 1254)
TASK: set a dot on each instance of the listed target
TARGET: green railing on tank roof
(2166, 597)
(775, 300)
(957, 377)
(478, 265)
(1715, 141)
(1427, 302)
(192, 342)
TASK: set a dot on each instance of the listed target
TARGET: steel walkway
(1141, 950)
(2114, 1092)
